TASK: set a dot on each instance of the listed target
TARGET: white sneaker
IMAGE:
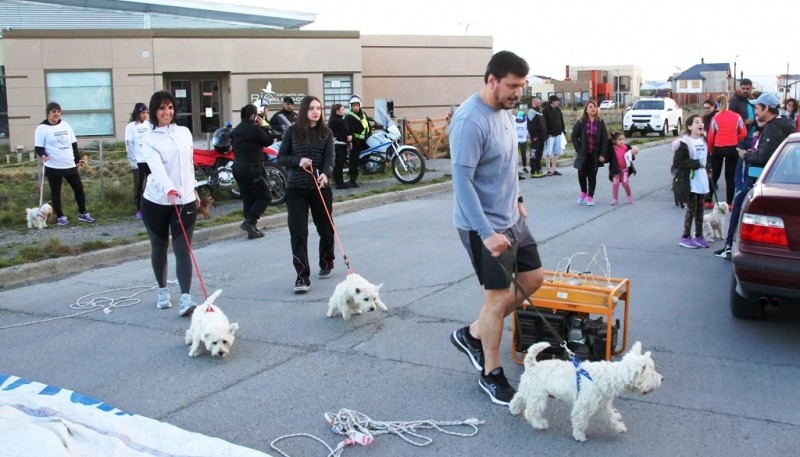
(162, 302)
(187, 305)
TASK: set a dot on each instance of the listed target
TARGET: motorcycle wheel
(233, 191)
(408, 165)
(276, 179)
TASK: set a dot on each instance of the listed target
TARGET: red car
(766, 258)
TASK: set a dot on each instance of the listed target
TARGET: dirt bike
(408, 164)
(213, 169)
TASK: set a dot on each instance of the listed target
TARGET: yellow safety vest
(364, 125)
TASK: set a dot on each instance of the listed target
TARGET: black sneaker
(251, 229)
(496, 385)
(325, 273)
(724, 253)
(460, 340)
(302, 285)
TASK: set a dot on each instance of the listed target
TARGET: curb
(45, 269)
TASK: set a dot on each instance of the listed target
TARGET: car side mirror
(754, 172)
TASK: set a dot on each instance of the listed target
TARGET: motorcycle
(213, 169)
(408, 164)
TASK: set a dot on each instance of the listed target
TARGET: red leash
(330, 219)
(191, 252)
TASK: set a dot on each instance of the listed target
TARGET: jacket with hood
(772, 134)
(682, 167)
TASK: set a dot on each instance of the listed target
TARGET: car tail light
(763, 229)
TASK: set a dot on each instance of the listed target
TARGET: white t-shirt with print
(57, 143)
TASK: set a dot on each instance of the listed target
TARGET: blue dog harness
(576, 362)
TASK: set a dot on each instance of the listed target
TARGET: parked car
(649, 115)
(766, 258)
(607, 104)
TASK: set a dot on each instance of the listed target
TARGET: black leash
(518, 288)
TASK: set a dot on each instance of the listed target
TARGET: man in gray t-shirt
(489, 215)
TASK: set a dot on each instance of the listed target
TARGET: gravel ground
(77, 232)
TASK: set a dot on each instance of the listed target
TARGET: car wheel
(664, 130)
(677, 132)
(628, 134)
(741, 307)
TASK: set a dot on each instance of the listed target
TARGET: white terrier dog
(210, 327)
(714, 221)
(352, 295)
(590, 388)
(38, 216)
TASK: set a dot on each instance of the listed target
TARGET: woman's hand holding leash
(322, 179)
(173, 196)
(306, 163)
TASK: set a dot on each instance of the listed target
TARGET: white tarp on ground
(41, 420)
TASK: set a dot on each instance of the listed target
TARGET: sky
(661, 37)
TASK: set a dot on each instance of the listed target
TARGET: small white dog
(352, 295)
(38, 216)
(210, 327)
(590, 388)
(714, 221)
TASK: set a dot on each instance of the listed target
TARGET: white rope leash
(361, 429)
(98, 301)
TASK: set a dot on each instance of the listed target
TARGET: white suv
(649, 115)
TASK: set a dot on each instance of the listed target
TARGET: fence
(429, 135)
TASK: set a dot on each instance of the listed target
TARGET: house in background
(700, 82)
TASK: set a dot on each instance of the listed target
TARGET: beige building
(97, 75)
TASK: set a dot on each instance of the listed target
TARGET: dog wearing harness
(590, 387)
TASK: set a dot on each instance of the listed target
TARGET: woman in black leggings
(56, 144)
(169, 202)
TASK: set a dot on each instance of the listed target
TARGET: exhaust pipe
(775, 302)
(763, 301)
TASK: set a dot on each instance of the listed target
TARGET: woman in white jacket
(168, 150)
(136, 129)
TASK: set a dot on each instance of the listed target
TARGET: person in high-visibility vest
(357, 124)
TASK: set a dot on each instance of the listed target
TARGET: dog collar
(41, 216)
(576, 362)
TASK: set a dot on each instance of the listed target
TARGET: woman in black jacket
(307, 154)
(590, 139)
(342, 141)
(249, 140)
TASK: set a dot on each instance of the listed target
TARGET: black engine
(585, 337)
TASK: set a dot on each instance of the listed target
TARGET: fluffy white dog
(590, 388)
(210, 327)
(38, 216)
(714, 221)
(352, 295)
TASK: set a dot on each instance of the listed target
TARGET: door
(197, 102)
(182, 91)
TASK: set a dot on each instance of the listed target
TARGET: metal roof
(696, 71)
(143, 14)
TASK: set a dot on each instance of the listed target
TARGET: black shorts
(522, 256)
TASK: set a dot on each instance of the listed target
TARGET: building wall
(423, 75)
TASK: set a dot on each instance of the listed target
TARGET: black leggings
(139, 181)
(55, 177)
(298, 203)
(159, 220)
(728, 155)
(587, 176)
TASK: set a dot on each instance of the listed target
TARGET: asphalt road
(729, 389)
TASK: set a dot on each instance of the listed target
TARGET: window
(85, 99)
(336, 89)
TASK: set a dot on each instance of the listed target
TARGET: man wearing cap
(285, 117)
(774, 129)
(357, 123)
(554, 127)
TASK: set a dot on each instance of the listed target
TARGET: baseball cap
(288, 99)
(767, 99)
(553, 98)
(140, 108)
